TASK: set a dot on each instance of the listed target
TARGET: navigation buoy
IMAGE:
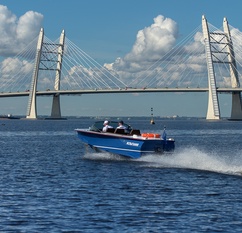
(152, 122)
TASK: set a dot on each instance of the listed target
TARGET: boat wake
(105, 156)
(192, 158)
(189, 158)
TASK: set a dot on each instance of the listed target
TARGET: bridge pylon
(213, 112)
(41, 58)
(31, 109)
(221, 42)
(236, 111)
(56, 110)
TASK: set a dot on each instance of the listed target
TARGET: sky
(107, 30)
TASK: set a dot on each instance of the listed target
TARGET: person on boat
(106, 126)
(121, 125)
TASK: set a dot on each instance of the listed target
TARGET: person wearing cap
(106, 126)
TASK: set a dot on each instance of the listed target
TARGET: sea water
(51, 182)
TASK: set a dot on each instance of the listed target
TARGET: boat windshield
(98, 126)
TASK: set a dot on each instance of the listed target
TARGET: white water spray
(189, 158)
(192, 158)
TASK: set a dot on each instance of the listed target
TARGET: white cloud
(15, 73)
(195, 45)
(151, 44)
(17, 33)
(156, 59)
(155, 40)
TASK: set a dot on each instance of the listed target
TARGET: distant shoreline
(156, 118)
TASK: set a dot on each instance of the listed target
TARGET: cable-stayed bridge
(208, 60)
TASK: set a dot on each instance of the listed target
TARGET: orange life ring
(150, 135)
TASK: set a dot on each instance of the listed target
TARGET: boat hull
(132, 146)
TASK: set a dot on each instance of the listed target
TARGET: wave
(189, 158)
(104, 156)
(193, 158)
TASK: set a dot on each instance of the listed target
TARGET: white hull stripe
(115, 148)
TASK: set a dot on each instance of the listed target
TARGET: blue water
(51, 182)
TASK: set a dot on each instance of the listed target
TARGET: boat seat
(135, 131)
(110, 130)
(119, 131)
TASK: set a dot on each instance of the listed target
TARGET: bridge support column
(31, 110)
(56, 110)
(213, 112)
(236, 112)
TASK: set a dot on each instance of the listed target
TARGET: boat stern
(169, 145)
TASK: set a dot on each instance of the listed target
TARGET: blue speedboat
(127, 142)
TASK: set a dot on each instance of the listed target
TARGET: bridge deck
(130, 90)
